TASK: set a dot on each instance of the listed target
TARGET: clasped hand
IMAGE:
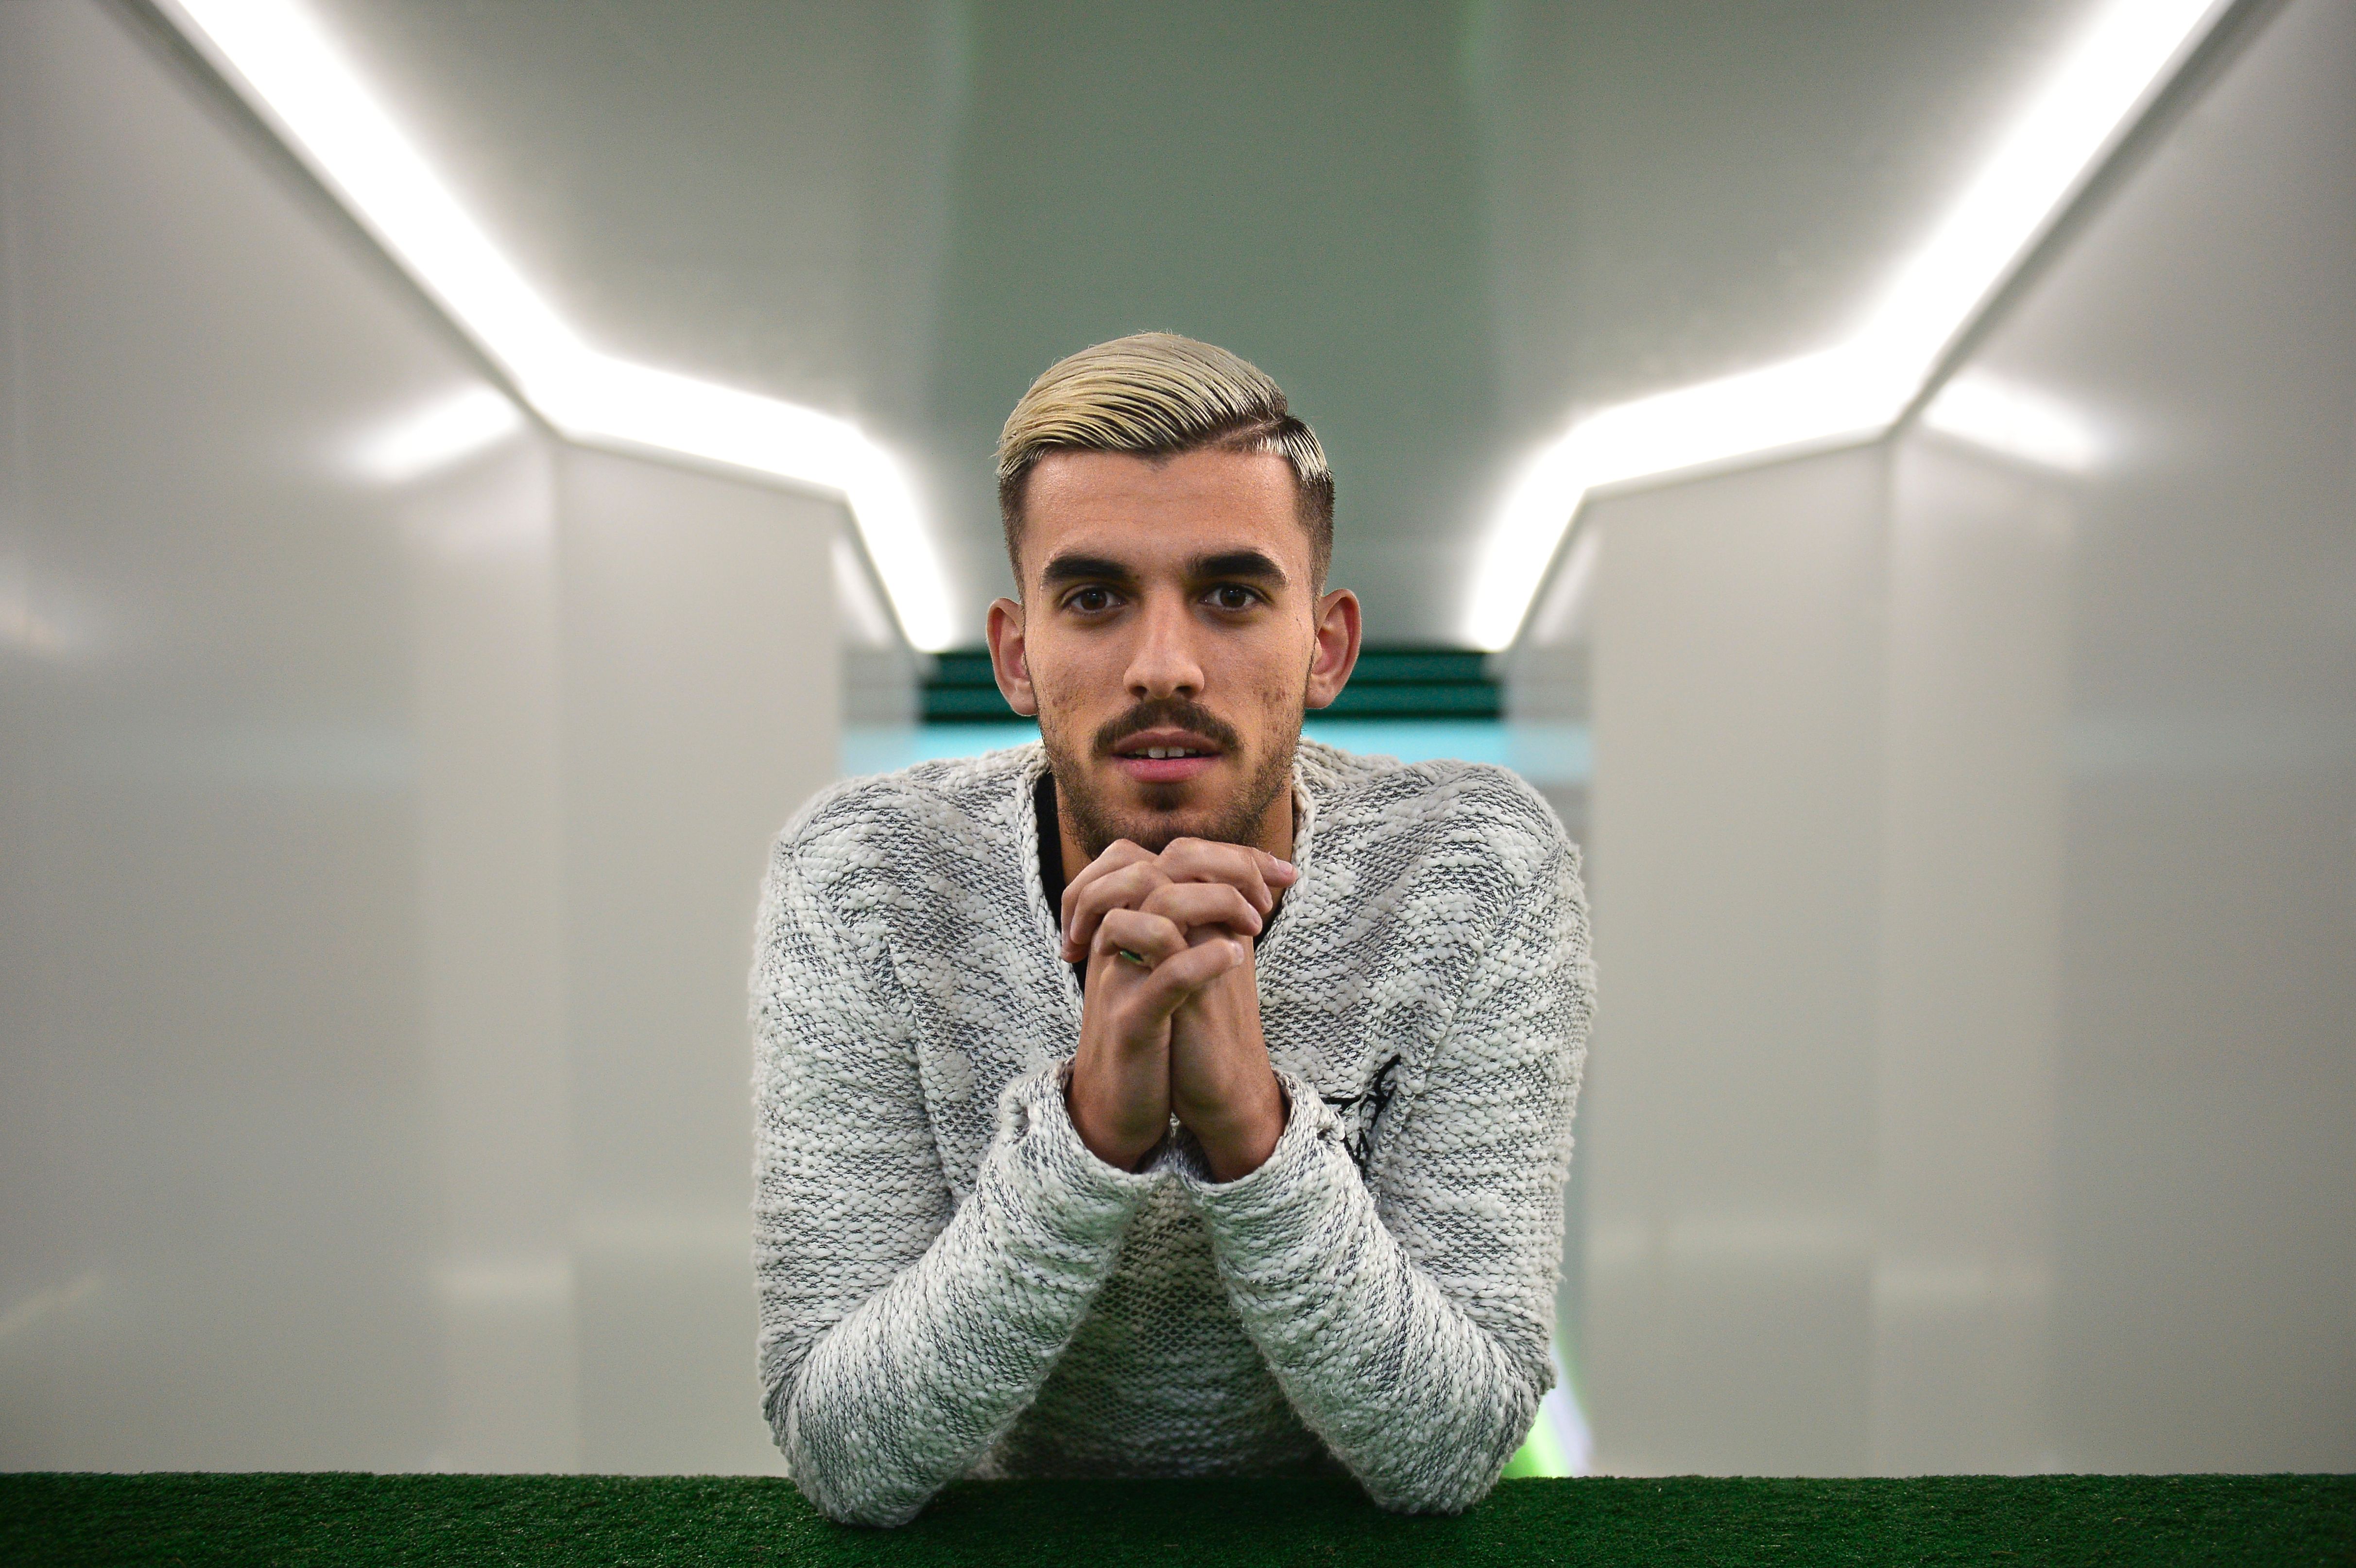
(1170, 1023)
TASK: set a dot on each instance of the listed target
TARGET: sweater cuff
(1259, 1219)
(1077, 1206)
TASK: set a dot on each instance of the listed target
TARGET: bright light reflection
(2015, 422)
(1817, 400)
(1855, 391)
(447, 431)
(295, 78)
(2048, 150)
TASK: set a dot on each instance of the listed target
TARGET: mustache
(1168, 713)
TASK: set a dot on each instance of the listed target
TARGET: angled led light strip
(294, 77)
(1855, 390)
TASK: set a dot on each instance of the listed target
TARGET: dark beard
(1097, 824)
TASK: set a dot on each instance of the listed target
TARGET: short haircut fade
(1156, 394)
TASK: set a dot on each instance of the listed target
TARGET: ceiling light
(2046, 154)
(615, 403)
(1815, 401)
(296, 79)
(2014, 421)
(1857, 390)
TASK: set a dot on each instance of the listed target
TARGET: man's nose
(1163, 662)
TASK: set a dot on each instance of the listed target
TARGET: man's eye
(1090, 601)
(1233, 597)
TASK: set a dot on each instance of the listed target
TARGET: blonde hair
(1156, 394)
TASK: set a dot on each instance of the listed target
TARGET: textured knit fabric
(951, 1284)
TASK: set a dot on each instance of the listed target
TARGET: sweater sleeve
(900, 1331)
(1409, 1324)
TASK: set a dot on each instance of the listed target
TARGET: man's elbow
(1449, 1491)
(1449, 1476)
(833, 1470)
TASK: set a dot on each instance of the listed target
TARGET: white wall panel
(1976, 660)
(2203, 1163)
(229, 1194)
(380, 843)
(1729, 1130)
(702, 695)
(1976, 915)
(491, 867)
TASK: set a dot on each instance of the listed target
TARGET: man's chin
(1157, 831)
(1154, 814)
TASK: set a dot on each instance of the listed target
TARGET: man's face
(1169, 637)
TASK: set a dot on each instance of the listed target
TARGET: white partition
(2183, 381)
(1728, 1129)
(1973, 859)
(701, 695)
(384, 789)
(1974, 1069)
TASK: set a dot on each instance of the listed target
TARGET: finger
(1138, 938)
(1273, 870)
(1192, 904)
(1126, 888)
(1178, 978)
(1200, 860)
(1117, 856)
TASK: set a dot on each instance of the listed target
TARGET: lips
(1165, 755)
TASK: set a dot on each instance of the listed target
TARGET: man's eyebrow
(1249, 564)
(1085, 569)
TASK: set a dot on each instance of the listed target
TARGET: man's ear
(1008, 660)
(1336, 653)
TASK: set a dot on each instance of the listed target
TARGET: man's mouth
(1164, 756)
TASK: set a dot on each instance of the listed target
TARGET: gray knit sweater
(951, 1284)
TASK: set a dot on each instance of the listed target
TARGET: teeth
(1163, 752)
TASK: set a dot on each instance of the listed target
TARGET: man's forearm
(1329, 1296)
(899, 1397)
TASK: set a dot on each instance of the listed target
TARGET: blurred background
(1886, 471)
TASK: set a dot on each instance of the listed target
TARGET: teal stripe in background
(1545, 754)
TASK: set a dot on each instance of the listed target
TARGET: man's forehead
(1162, 515)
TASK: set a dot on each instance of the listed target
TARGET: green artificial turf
(456, 1520)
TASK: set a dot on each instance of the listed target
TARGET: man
(1174, 1096)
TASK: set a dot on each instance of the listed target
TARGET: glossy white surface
(2203, 1158)
(1728, 1128)
(700, 702)
(1975, 1070)
(385, 796)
